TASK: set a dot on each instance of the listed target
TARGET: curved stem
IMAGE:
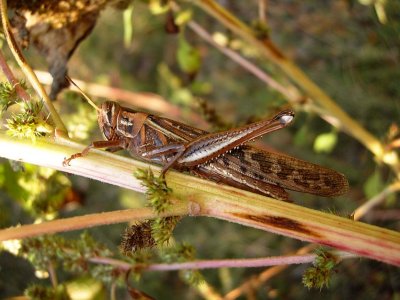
(86, 221)
(220, 263)
(270, 51)
(28, 70)
(255, 282)
(12, 80)
(290, 93)
(376, 200)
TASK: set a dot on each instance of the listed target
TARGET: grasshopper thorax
(108, 119)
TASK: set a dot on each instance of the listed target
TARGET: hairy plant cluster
(146, 235)
(29, 123)
(157, 190)
(8, 95)
(72, 254)
(319, 275)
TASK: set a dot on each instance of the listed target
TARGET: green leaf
(158, 7)
(183, 17)
(39, 292)
(128, 25)
(373, 185)
(300, 138)
(325, 142)
(188, 56)
(86, 288)
(39, 190)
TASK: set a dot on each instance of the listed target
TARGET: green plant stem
(255, 282)
(199, 197)
(82, 222)
(376, 200)
(269, 50)
(290, 93)
(221, 263)
(30, 75)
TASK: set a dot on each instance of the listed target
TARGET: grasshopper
(223, 157)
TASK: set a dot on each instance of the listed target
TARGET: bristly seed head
(137, 237)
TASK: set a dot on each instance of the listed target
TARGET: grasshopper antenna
(83, 94)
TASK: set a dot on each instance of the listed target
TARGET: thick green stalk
(199, 197)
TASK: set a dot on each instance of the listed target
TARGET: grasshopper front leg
(116, 144)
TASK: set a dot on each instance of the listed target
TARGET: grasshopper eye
(285, 119)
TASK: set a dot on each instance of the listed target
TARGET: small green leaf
(373, 185)
(325, 142)
(45, 292)
(158, 7)
(93, 288)
(183, 17)
(300, 138)
(188, 57)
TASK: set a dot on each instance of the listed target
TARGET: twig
(147, 101)
(12, 80)
(28, 70)
(221, 263)
(291, 93)
(270, 51)
(376, 200)
(207, 291)
(256, 281)
(52, 274)
(384, 215)
(82, 222)
(262, 7)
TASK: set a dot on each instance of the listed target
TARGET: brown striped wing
(287, 172)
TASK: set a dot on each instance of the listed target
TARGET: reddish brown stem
(11, 79)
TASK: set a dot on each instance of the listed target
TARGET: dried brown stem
(220, 263)
(146, 101)
(290, 93)
(270, 51)
(12, 80)
(30, 75)
(81, 222)
(376, 200)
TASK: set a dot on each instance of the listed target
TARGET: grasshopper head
(107, 119)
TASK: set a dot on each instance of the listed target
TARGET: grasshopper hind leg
(217, 172)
